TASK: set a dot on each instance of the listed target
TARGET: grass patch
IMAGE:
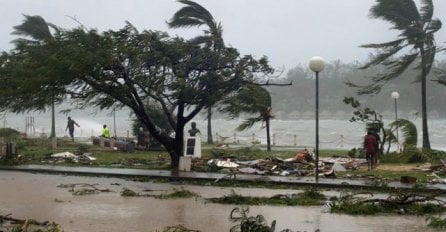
(436, 222)
(372, 209)
(177, 193)
(307, 198)
(400, 203)
(386, 175)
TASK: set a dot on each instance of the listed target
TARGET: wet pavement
(37, 196)
(307, 180)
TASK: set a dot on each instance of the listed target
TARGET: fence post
(342, 140)
(235, 138)
(274, 139)
(295, 140)
(216, 137)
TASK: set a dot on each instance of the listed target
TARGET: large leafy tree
(31, 81)
(127, 68)
(195, 15)
(416, 40)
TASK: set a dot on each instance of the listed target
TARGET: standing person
(70, 127)
(105, 132)
(370, 149)
(378, 152)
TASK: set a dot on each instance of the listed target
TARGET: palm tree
(409, 130)
(36, 28)
(195, 15)
(417, 28)
(253, 100)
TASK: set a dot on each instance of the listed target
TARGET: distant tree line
(332, 89)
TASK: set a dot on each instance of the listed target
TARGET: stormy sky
(289, 32)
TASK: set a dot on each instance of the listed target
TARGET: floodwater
(29, 195)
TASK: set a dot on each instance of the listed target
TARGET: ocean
(334, 134)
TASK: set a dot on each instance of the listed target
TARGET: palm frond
(391, 44)
(191, 15)
(427, 10)
(400, 13)
(382, 56)
(433, 26)
(202, 39)
(409, 131)
(248, 123)
(185, 23)
(205, 14)
(34, 27)
(397, 67)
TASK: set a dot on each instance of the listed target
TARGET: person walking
(370, 149)
(70, 127)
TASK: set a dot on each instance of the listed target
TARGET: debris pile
(301, 164)
(63, 157)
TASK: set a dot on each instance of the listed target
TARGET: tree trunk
(426, 143)
(53, 120)
(210, 140)
(268, 139)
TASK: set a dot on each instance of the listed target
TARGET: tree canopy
(415, 43)
(128, 68)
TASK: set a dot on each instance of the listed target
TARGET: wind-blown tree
(409, 133)
(127, 68)
(417, 29)
(195, 15)
(36, 31)
(253, 100)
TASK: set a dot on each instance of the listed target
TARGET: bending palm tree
(417, 29)
(194, 15)
(254, 100)
(38, 30)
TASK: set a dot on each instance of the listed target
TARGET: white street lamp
(395, 95)
(317, 64)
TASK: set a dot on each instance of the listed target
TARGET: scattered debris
(70, 157)
(301, 164)
(83, 188)
(408, 179)
(14, 224)
(223, 163)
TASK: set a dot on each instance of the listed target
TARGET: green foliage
(177, 193)
(436, 222)
(126, 68)
(308, 197)
(246, 223)
(249, 223)
(405, 203)
(354, 209)
(416, 37)
(155, 110)
(128, 193)
(414, 155)
(409, 131)
(9, 133)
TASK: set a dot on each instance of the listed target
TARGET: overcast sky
(289, 32)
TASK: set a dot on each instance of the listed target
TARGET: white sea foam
(340, 134)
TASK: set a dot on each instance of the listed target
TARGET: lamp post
(317, 64)
(395, 95)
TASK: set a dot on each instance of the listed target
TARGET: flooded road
(27, 195)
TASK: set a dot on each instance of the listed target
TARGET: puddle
(27, 195)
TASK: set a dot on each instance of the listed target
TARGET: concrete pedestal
(185, 164)
(192, 146)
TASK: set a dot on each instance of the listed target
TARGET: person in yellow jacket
(105, 132)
